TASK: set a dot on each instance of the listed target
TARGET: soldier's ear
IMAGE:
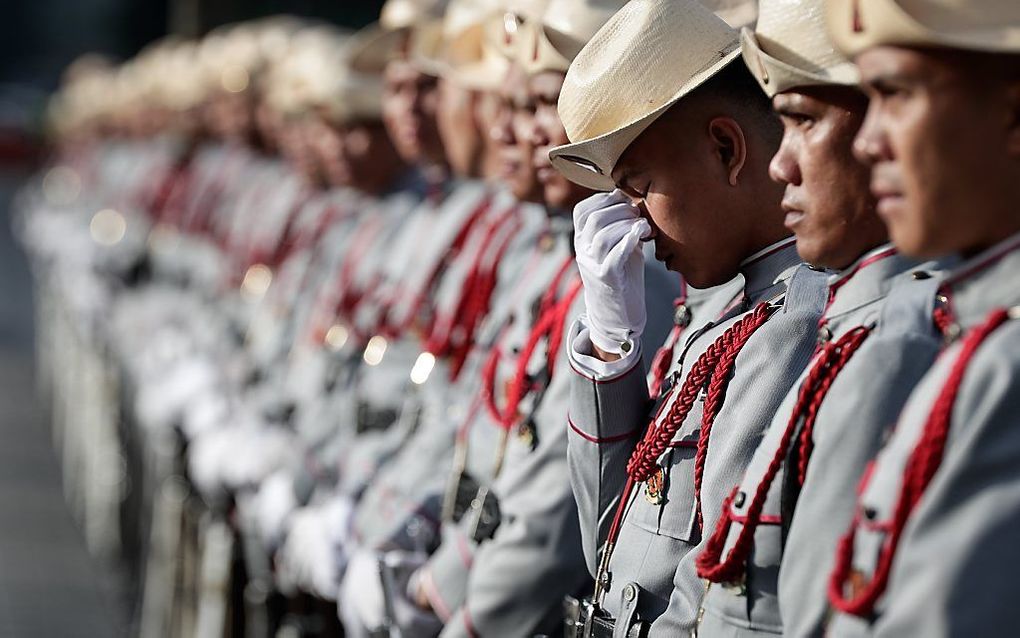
(730, 146)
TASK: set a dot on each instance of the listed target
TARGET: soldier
(876, 339)
(928, 545)
(512, 462)
(713, 214)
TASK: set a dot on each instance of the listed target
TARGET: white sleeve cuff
(582, 355)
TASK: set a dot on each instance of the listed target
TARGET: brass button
(824, 334)
(629, 592)
(682, 316)
(953, 332)
(739, 499)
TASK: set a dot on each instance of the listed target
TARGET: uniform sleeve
(519, 577)
(954, 572)
(606, 418)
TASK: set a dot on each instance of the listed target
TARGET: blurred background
(49, 584)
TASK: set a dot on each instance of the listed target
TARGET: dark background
(38, 38)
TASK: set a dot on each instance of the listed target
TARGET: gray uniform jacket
(513, 584)
(863, 400)
(471, 585)
(403, 499)
(608, 415)
(383, 388)
(952, 570)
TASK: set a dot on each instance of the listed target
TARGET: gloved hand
(363, 601)
(273, 504)
(307, 559)
(608, 230)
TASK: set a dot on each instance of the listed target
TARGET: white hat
(553, 41)
(790, 48)
(736, 13)
(408, 27)
(468, 52)
(643, 61)
(978, 25)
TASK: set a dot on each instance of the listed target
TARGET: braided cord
(921, 466)
(716, 393)
(831, 359)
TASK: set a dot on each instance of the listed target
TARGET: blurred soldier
(404, 494)
(876, 338)
(713, 214)
(508, 497)
(929, 546)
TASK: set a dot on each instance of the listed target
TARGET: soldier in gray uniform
(929, 551)
(501, 569)
(770, 552)
(642, 490)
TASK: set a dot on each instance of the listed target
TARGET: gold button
(682, 316)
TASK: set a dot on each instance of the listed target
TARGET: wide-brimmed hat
(551, 42)
(977, 25)
(411, 29)
(640, 63)
(736, 13)
(469, 51)
(790, 48)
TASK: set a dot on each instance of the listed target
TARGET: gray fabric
(518, 579)
(867, 398)
(766, 370)
(654, 538)
(533, 559)
(953, 562)
(857, 410)
(614, 412)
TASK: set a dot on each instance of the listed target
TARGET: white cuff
(582, 354)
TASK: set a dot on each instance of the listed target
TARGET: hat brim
(590, 162)
(775, 76)
(372, 47)
(487, 74)
(862, 25)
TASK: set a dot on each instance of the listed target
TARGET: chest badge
(655, 487)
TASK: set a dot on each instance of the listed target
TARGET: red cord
(644, 460)
(550, 326)
(664, 355)
(387, 327)
(921, 466)
(831, 359)
(552, 314)
(454, 336)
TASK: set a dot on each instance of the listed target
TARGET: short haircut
(735, 84)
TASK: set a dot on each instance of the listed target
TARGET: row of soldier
(341, 272)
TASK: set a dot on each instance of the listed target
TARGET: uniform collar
(984, 282)
(766, 271)
(866, 280)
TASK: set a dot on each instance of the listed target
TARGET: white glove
(363, 605)
(306, 561)
(273, 504)
(608, 230)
